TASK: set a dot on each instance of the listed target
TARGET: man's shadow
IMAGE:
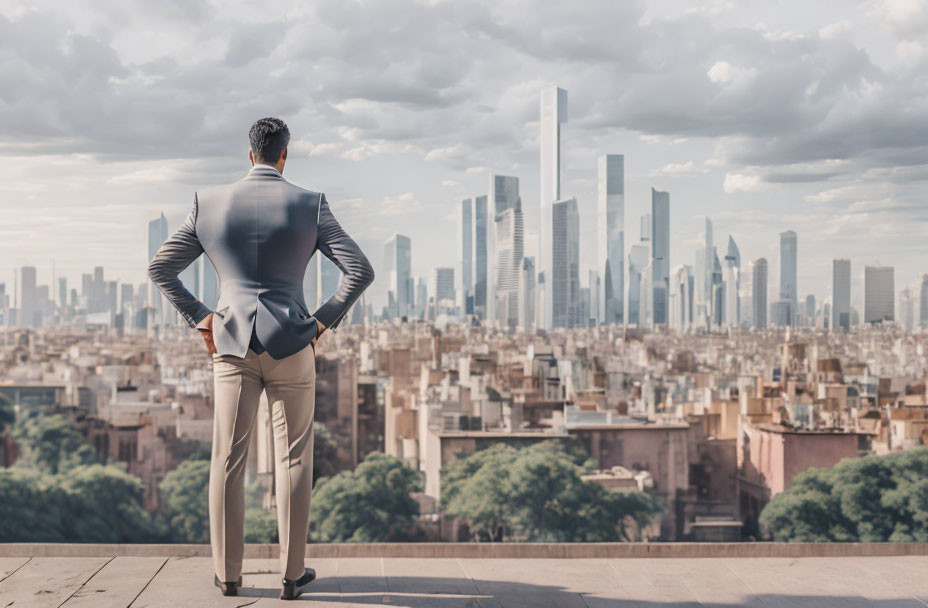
(443, 592)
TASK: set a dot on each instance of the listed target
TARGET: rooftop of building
(608, 575)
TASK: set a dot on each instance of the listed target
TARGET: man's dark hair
(269, 136)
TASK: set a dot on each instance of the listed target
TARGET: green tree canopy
(90, 504)
(537, 493)
(324, 452)
(185, 502)
(51, 444)
(371, 503)
(870, 499)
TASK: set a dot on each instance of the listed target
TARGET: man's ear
(283, 153)
(251, 156)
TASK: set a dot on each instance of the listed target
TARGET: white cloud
(740, 182)
(833, 30)
(723, 72)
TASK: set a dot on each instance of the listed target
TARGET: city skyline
(844, 198)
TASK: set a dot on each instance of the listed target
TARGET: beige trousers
(291, 392)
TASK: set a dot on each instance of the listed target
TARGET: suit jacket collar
(264, 171)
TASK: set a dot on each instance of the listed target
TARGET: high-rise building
(611, 239)
(157, 234)
(907, 309)
(422, 297)
(528, 292)
(841, 294)
(565, 276)
(680, 298)
(759, 293)
(879, 294)
(810, 310)
(98, 292)
(28, 297)
(503, 193)
(443, 286)
(62, 291)
(708, 261)
(660, 253)
(465, 289)
(923, 303)
(732, 283)
(481, 225)
(788, 257)
(717, 290)
(637, 262)
(509, 254)
(398, 268)
(553, 115)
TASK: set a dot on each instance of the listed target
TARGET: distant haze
(764, 116)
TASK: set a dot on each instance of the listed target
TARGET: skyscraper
(717, 289)
(565, 276)
(398, 267)
(759, 293)
(29, 301)
(680, 298)
(708, 261)
(611, 239)
(732, 283)
(660, 253)
(528, 292)
(509, 254)
(466, 256)
(841, 294)
(879, 294)
(922, 303)
(503, 193)
(553, 114)
(637, 262)
(443, 286)
(480, 256)
(788, 256)
(157, 234)
(62, 291)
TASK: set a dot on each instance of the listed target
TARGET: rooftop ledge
(483, 550)
(368, 575)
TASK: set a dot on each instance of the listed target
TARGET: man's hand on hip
(319, 329)
(205, 327)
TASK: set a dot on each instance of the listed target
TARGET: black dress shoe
(293, 588)
(228, 588)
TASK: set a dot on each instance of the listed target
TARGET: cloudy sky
(808, 115)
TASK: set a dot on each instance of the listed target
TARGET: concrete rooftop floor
(148, 582)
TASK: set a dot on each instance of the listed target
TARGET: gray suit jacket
(260, 233)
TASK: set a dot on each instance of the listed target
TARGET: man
(260, 233)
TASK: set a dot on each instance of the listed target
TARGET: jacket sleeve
(357, 272)
(175, 254)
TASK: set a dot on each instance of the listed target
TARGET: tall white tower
(553, 115)
(611, 238)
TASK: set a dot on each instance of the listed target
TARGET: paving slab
(118, 583)
(48, 581)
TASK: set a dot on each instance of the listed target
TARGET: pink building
(771, 455)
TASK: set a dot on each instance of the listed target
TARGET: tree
(537, 493)
(185, 496)
(260, 525)
(22, 490)
(105, 506)
(324, 452)
(870, 499)
(371, 503)
(50, 443)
